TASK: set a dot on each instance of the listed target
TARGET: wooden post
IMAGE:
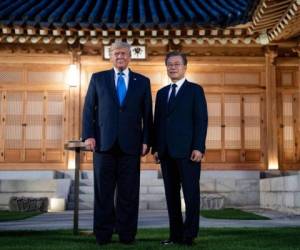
(76, 191)
(271, 109)
(297, 130)
(76, 146)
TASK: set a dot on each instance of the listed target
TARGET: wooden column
(271, 109)
(297, 130)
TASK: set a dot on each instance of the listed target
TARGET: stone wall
(56, 190)
(281, 193)
(239, 188)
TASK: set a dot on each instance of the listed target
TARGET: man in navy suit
(180, 125)
(116, 125)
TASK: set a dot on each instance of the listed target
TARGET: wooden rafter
(279, 20)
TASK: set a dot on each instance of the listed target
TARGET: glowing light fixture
(73, 76)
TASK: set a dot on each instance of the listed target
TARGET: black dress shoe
(170, 242)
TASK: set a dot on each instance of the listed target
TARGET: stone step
(89, 175)
(83, 190)
(149, 174)
(85, 182)
(82, 198)
(86, 189)
(82, 206)
(4, 207)
(154, 205)
(143, 190)
(29, 175)
(152, 194)
(143, 205)
(157, 205)
(151, 182)
(145, 197)
(152, 197)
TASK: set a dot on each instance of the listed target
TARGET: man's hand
(145, 150)
(156, 158)
(90, 143)
(196, 156)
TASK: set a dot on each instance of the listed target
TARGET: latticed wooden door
(33, 125)
(289, 134)
(12, 120)
(235, 128)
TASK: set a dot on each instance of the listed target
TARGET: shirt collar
(125, 71)
(179, 83)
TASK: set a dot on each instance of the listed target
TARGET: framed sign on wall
(138, 52)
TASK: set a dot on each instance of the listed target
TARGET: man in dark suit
(180, 125)
(116, 125)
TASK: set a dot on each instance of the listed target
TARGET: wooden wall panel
(10, 77)
(206, 78)
(236, 135)
(48, 77)
(286, 76)
(242, 78)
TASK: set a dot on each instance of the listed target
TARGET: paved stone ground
(147, 219)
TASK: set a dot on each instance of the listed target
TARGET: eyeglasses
(175, 65)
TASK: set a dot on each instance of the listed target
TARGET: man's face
(175, 68)
(120, 58)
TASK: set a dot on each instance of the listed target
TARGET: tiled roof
(128, 14)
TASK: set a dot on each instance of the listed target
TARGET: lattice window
(34, 120)
(288, 128)
(14, 119)
(232, 109)
(252, 121)
(55, 116)
(214, 138)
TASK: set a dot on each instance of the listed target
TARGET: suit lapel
(131, 85)
(112, 86)
(164, 103)
(178, 96)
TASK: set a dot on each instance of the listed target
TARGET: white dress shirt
(125, 76)
(179, 84)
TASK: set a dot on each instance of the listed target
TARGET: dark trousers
(183, 173)
(116, 194)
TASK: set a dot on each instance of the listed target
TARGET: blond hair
(119, 45)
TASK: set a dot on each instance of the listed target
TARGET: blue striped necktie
(121, 88)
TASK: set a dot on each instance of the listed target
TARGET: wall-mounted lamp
(73, 76)
(273, 165)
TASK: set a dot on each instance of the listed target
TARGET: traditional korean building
(244, 53)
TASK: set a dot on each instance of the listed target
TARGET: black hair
(176, 53)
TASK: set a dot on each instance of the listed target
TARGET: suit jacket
(184, 127)
(105, 120)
